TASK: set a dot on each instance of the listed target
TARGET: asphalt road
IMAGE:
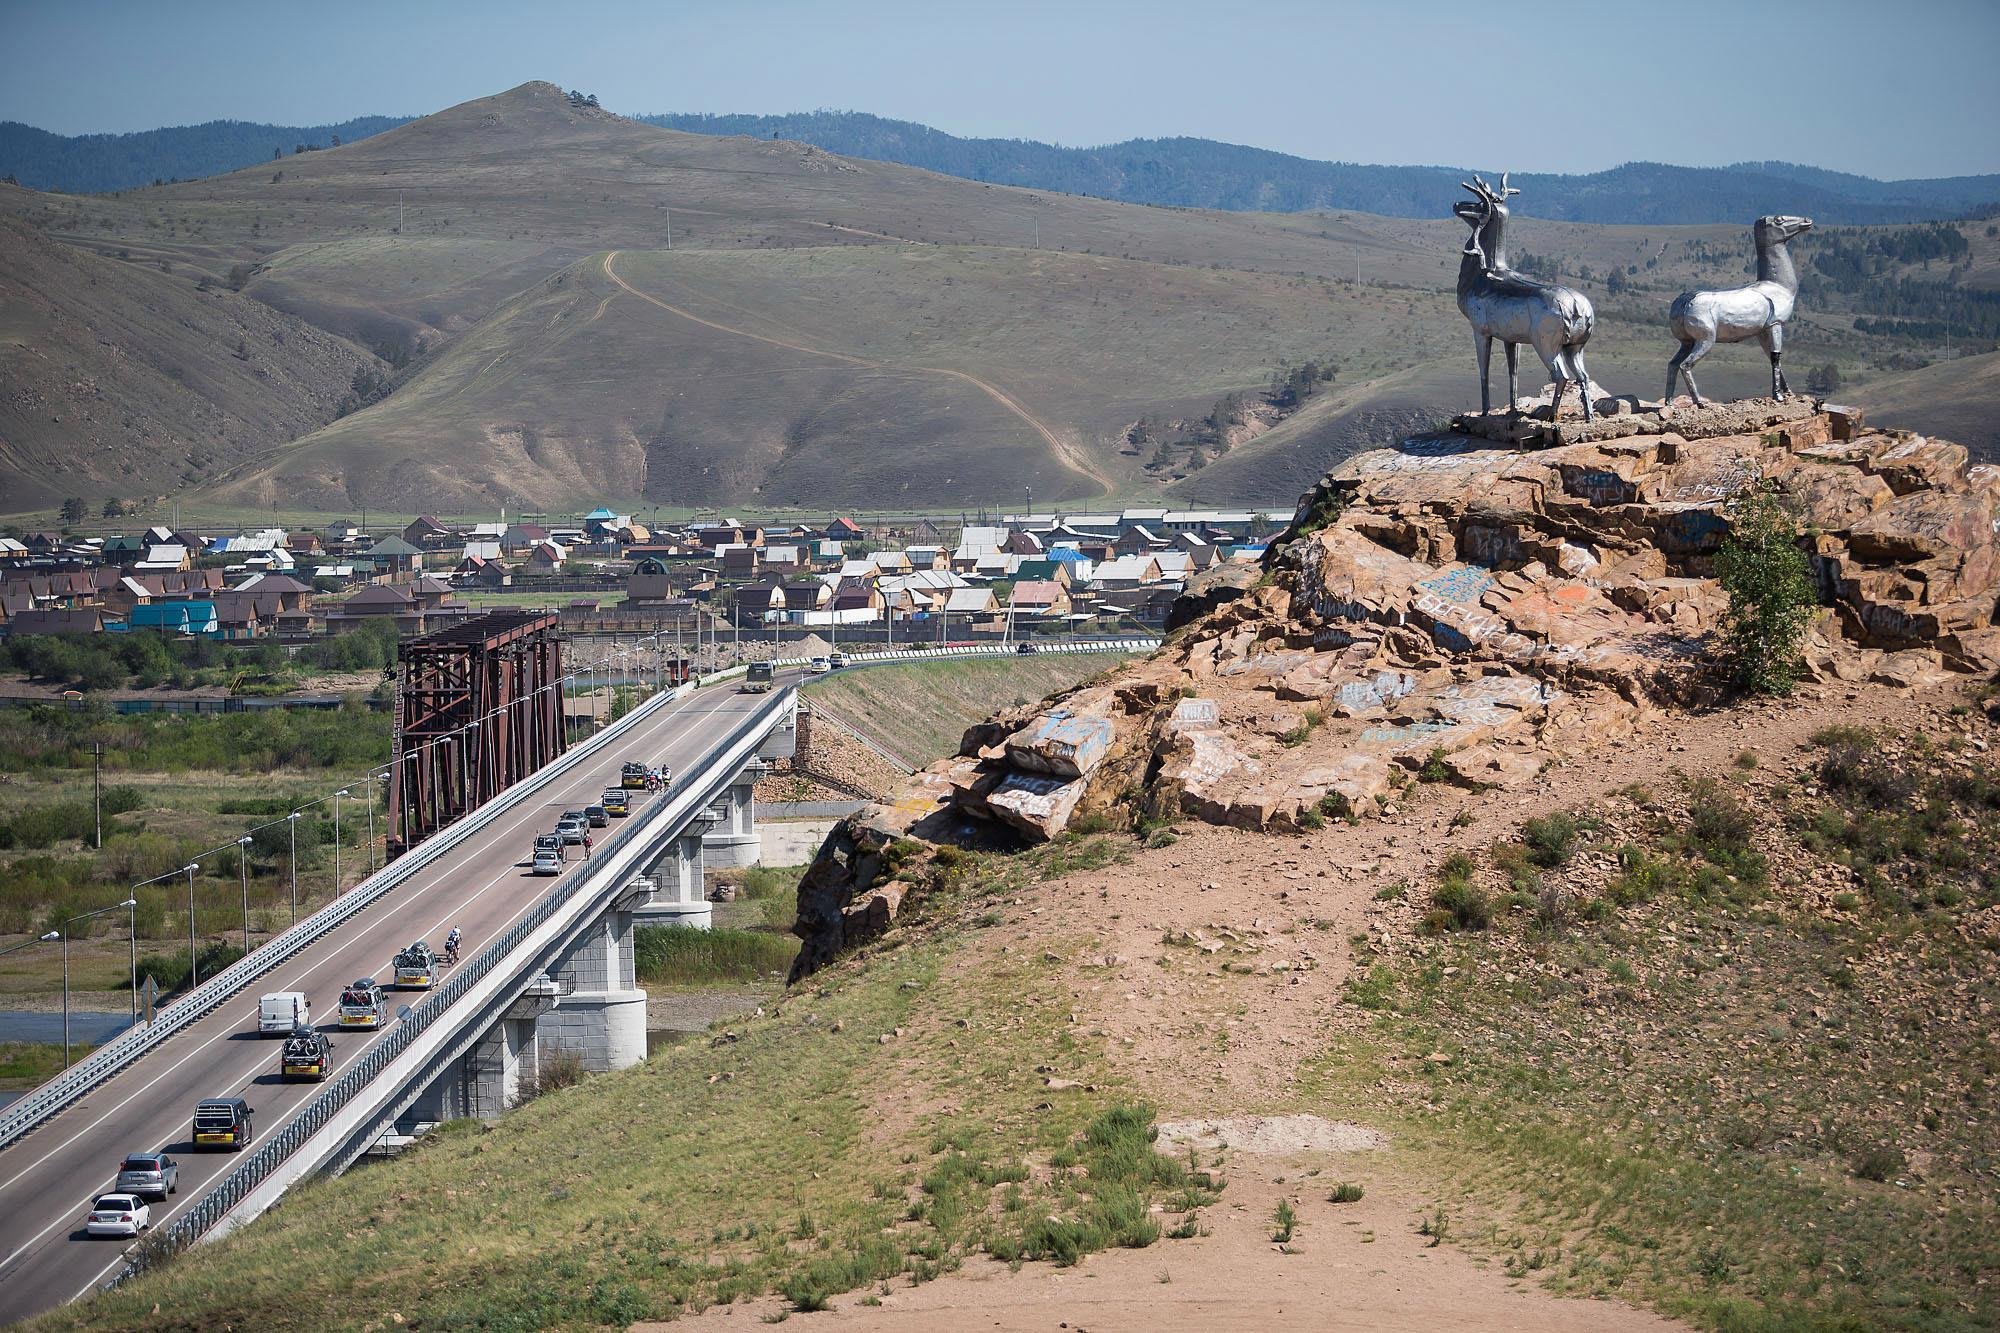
(48, 1179)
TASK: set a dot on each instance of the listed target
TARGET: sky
(1886, 88)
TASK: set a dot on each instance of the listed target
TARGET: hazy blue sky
(1884, 87)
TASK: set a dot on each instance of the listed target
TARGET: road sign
(148, 993)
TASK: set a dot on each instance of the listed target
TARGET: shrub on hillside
(1763, 570)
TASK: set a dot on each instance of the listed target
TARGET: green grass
(677, 956)
(25, 1064)
(919, 710)
(175, 787)
(1710, 1089)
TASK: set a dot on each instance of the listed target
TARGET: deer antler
(1486, 193)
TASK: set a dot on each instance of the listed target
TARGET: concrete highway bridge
(546, 965)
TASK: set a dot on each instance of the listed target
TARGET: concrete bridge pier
(488, 1079)
(734, 840)
(602, 1017)
(680, 893)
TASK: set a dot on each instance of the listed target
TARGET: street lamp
(243, 872)
(194, 971)
(292, 827)
(85, 916)
(371, 821)
(26, 944)
(336, 840)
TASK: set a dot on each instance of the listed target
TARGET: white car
(548, 861)
(118, 1215)
(819, 666)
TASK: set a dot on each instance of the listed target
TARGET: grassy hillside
(1958, 399)
(918, 711)
(123, 380)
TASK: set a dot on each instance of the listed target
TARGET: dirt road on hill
(1205, 1041)
(1066, 453)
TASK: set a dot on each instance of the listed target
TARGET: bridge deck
(48, 1178)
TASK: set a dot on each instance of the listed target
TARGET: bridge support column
(782, 741)
(734, 840)
(491, 1077)
(680, 891)
(602, 1017)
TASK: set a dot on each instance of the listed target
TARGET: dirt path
(1066, 453)
(1144, 941)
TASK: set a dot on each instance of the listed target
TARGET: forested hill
(1193, 173)
(1201, 173)
(92, 163)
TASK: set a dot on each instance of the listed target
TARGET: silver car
(151, 1175)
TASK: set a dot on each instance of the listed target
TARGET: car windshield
(141, 1164)
(357, 998)
(113, 1203)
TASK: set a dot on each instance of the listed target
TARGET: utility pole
(670, 227)
(97, 791)
(399, 212)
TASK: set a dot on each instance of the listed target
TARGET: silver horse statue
(1703, 319)
(1503, 304)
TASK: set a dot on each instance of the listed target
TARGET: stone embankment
(1465, 606)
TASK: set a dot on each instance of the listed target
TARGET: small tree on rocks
(1763, 569)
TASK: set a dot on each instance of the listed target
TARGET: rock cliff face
(1473, 602)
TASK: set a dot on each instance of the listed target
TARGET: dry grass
(919, 710)
(1713, 1082)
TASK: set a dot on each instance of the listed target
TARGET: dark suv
(222, 1122)
(151, 1175)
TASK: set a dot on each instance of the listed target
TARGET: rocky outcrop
(1464, 610)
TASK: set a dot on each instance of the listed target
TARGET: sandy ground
(1143, 940)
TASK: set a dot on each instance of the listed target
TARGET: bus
(759, 678)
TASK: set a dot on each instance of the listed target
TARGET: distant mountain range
(96, 163)
(1187, 173)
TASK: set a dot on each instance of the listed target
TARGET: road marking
(680, 709)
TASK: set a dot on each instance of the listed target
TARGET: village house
(193, 618)
(395, 556)
(520, 538)
(1129, 571)
(1040, 597)
(545, 558)
(426, 533)
(971, 602)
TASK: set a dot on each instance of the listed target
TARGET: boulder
(1035, 804)
(1061, 745)
(1213, 587)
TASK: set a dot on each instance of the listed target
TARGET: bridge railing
(115, 1056)
(254, 1170)
(1132, 645)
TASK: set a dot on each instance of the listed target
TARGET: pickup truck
(416, 967)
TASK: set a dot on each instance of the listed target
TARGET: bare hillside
(128, 381)
(796, 327)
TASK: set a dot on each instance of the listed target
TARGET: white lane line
(511, 869)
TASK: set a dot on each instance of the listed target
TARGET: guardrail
(321, 1112)
(986, 650)
(112, 1058)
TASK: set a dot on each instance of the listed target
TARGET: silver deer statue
(1503, 304)
(1703, 319)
